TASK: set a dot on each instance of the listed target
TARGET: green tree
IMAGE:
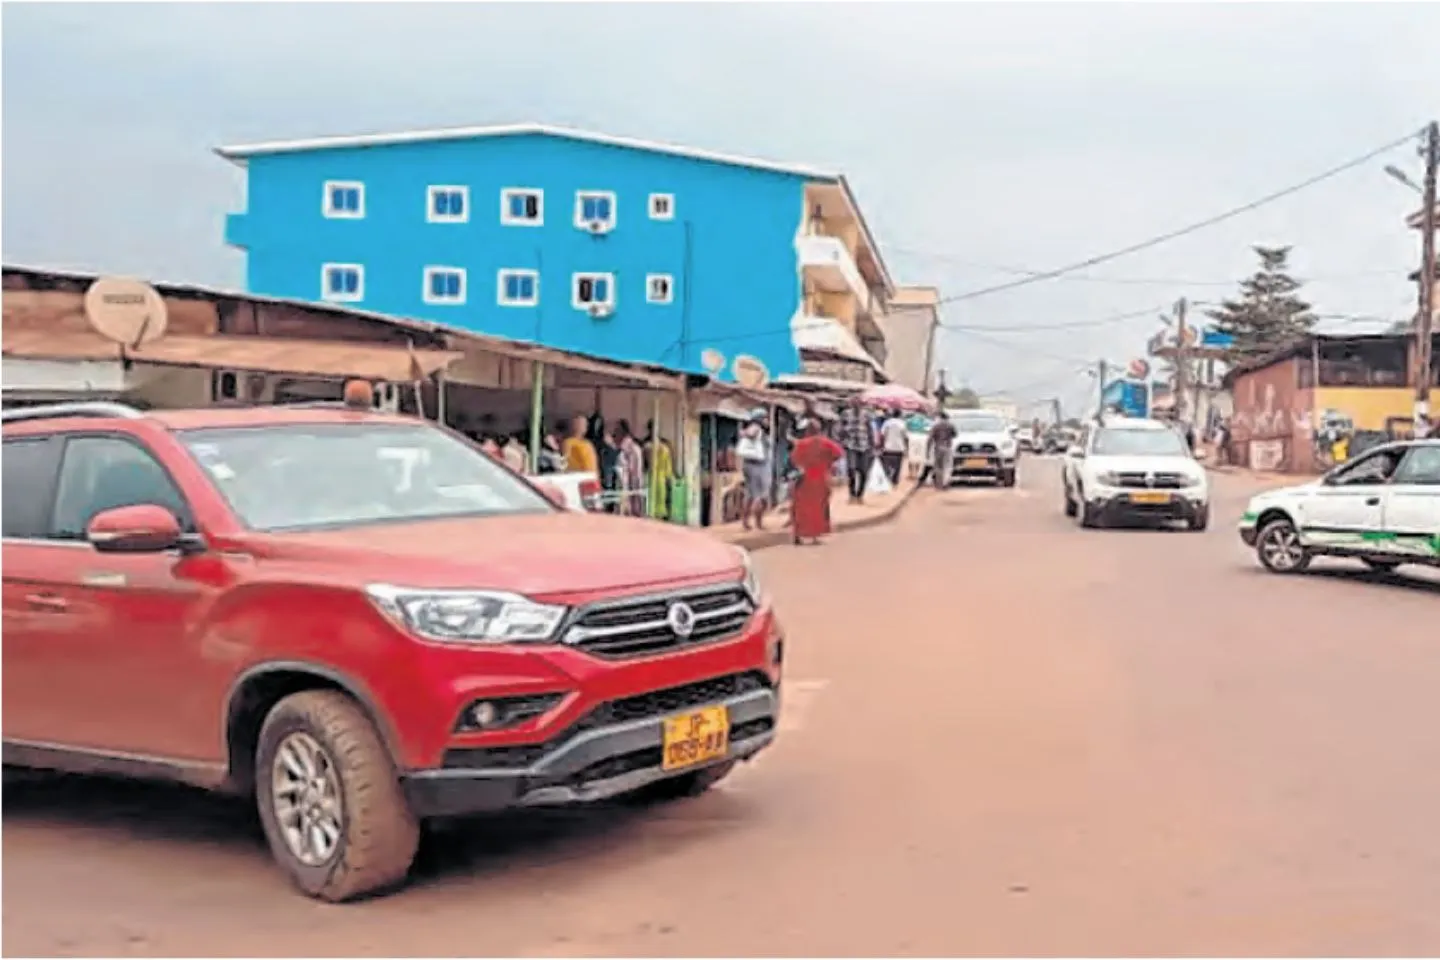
(963, 399)
(1268, 313)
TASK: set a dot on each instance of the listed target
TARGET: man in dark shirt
(858, 439)
(941, 444)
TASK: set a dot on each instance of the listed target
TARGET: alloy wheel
(305, 793)
(1280, 547)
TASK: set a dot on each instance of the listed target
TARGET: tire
(1007, 479)
(1382, 566)
(326, 732)
(690, 784)
(1279, 549)
(1201, 520)
(1087, 517)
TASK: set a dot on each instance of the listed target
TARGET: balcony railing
(829, 261)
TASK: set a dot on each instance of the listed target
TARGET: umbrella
(895, 396)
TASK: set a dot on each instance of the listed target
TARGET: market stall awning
(316, 358)
(826, 336)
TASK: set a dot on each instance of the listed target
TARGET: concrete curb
(763, 539)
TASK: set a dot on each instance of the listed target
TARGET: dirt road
(1002, 735)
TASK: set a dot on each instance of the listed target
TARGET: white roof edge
(238, 153)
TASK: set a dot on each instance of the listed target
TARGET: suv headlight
(1193, 480)
(752, 579)
(1109, 478)
(468, 616)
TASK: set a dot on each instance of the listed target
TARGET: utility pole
(1424, 325)
(1182, 359)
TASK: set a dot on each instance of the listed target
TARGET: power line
(1069, 325)
(1183, 231)
(1137, 281)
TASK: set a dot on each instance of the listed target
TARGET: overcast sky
(980, 138)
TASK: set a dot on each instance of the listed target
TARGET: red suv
(362, 620)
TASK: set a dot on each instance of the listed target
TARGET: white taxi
(1382, 508)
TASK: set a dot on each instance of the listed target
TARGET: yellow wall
(838, 306)
(1370, 407)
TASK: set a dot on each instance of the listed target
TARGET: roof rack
(52, 411)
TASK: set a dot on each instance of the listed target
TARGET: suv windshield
(338, 475)
(1114, 442)
(971, 423)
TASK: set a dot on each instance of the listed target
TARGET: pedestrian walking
(858, 443)
(813, 456)
(894, 441)
(753, 452)
(941, 449)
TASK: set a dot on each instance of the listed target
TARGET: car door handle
(1372, 502)
(48, 601)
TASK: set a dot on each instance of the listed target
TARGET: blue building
(613, 247)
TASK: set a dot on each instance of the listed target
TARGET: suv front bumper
(1121, 504)
(599, 757)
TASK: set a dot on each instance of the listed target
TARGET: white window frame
(332, 297)
(650, 279)
(506, 272)
(579, 304)
(668, 214)
(507, 220)
(582, 195)
(432, 217)
(332, 213)
(429, 297)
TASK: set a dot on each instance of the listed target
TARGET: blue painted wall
(736, 287)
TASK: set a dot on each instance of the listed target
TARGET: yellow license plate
(1150, 497)
(975, 462)
(695, 737)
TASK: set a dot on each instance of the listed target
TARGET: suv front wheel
(329, 798)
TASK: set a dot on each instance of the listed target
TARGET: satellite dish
(712, 360)
(128, 312)
(750, 372)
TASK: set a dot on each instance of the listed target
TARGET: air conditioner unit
(241, 386)
(598, 226)
(600, 311)
(386, 397)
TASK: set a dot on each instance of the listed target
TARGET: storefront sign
(837, 370)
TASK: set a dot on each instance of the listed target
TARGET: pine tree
(1268, 313)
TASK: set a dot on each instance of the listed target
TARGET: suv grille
(629, 628)
(1162, 481)
(656, 703)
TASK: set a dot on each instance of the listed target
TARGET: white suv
(1124, 468)
(1382, 508)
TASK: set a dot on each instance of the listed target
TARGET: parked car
(361, 621)
(1381, 508)
(1127, 468)
(984, 447)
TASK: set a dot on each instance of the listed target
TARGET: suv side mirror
(142, 528)
(554, 494)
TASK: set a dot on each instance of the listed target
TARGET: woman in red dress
(813, 455)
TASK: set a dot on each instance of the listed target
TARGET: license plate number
(980, 462)
(695, 737)
(1150, 497)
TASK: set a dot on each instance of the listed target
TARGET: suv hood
(1146, 463)
(542, 555)
(999, 439)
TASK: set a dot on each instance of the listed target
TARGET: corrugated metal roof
(519, 349)
(321, 358)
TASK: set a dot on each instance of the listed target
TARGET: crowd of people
(866, 447)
